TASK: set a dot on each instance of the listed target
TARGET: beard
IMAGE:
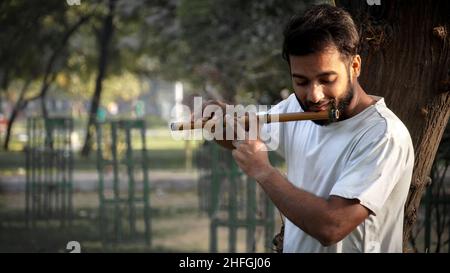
(341, 104)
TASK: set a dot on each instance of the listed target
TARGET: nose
(315, 93)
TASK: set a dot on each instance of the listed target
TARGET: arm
(327, 220)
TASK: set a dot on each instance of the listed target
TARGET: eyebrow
(326, 73)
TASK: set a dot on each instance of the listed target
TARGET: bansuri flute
(332, 114)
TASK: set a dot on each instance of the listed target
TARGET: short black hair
(319, 27)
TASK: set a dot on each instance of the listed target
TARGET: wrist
(266, 175)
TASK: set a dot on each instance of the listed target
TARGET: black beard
(342, 104)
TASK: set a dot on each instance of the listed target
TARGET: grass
(177, 223)
(163, 152)
(177, 226)
(168, 211)
(157, 138)
(13, 163)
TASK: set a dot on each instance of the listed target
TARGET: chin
(321, 122)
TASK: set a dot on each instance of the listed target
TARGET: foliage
(231, 47)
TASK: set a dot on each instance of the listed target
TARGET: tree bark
(18, 107)
(104, 42)
(405, 49)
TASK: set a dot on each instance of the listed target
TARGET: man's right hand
(210, 109)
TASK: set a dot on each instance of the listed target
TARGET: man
(347, 181)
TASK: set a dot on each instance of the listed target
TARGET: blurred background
(87, 90)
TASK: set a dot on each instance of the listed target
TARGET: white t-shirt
(368, 157)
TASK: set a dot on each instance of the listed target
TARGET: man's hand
(251, 153)
(209, 109)
(252, 158)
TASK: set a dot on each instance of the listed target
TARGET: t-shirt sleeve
(373, 169)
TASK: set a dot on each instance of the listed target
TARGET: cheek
(300, 93)
(337, 90)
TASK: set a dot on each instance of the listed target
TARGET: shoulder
(382, 126)
(290, 104)
(393, 127)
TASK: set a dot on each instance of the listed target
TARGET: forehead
(317, 63)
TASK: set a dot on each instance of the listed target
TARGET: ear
(356, 66)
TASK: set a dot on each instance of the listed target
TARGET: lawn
(163, 152)
(177, 226)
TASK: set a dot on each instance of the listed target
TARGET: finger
(250, 146)
(219, 103)
(238, 155)
(260, 146)
(207, 118)
(236, 143)
(214, 103)
(213, 120)
(245, 146)
(211, 108)
(208, 102)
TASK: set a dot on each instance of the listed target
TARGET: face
(323, 78)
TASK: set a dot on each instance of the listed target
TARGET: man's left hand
(252, 158)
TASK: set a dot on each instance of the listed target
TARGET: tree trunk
(49, 77)
(18, 107)
(406, 59)
(104, 42)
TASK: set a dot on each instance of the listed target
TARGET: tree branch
(46, 82)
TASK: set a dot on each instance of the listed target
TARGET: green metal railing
(232, 200)
(49, 169)
(125, 195)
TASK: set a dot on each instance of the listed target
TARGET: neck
(359, 102)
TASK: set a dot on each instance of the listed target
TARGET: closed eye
(304, 83)
(327, 81)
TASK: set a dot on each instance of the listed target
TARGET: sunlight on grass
(161, 139)
(158, 138)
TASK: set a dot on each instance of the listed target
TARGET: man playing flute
(347, 181)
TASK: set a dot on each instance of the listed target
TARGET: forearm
(328, 220)
(310, 213)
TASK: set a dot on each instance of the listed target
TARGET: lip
(320, 108)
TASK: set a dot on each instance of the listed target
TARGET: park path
(88, 181)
